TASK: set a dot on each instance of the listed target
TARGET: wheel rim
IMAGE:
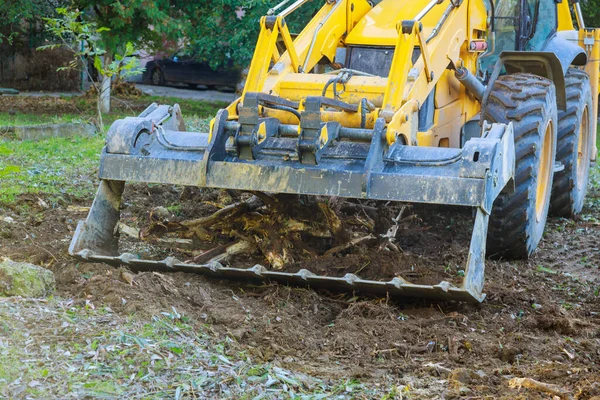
(544, 173)
(582, 149)
(156, 77)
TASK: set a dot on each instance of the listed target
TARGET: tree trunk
(105, 87)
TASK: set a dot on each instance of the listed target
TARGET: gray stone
(24, 279)
(464, 375)
(45, 131)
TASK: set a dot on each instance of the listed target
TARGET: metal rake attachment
(261, 154)
(304, 278)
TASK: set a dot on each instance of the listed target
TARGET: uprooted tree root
(282, 229)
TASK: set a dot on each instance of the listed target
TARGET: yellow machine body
(406, 125)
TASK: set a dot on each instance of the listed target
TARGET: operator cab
(518, 25)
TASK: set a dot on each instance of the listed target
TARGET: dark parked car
(182, 67)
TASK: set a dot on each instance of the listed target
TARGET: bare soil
(541, 318)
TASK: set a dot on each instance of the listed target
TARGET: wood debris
(528, 383)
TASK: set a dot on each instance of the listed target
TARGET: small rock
(238, 334)
(464, 391)
(127, 277)
(24, 279)
(439, 369)
(463, 375)
(8, 220)
(160, 214)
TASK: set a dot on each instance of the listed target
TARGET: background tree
(16, 15)
(82, 39)
(591, 12)
(145, 23)
(227, 33)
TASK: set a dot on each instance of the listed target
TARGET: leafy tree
(591, 12)
(83, 40)
(142, 22)
(228, 33)
(14, 15)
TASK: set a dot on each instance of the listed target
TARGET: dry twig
(347, 245)
(549, 388)
(230, 211)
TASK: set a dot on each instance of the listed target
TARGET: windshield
(524, 25)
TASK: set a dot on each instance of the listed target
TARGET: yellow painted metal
(262, 132)
(477, 20)
(263, 54)
(593, 70)
(424, 54)
(324, 136)
(289, 45)
(397, 97)
(447, 122)
(583, 148)
(210, 129)
(589, 40)
(404, 123)
(447, 47)
(355, 11)
(448, 89)
(331, 23)
(276, 54)
(350, 120)
(544, 173)
(401, 65)
(378, 27)
(298, 86)
(565, 21)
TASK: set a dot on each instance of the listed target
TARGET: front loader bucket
(260, 154)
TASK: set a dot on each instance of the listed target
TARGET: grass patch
(56, 350)
(44, 110)
(56, 166)
(17, 119)
(68, 166)
(195, 108)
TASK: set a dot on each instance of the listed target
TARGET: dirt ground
(541, 318)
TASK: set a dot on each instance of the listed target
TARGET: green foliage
(71, 30)
(85, 40)
(591, 12)
(142, 22)
(57, 166)
(15, 13)
(220, 36)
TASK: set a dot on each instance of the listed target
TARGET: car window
(184, 55)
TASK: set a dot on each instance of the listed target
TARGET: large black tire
(157, 78)
(573, 146)
(518, 218)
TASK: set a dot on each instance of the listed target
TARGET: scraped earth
(541, 318)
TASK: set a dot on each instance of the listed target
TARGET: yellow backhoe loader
(489, 104)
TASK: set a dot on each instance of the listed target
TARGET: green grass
(130, 106)
(17, 119)
(55, 350)
(190, 107)
(68, 166)
(46, 110)
(56, 166)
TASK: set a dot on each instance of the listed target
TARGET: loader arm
(395, 96)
